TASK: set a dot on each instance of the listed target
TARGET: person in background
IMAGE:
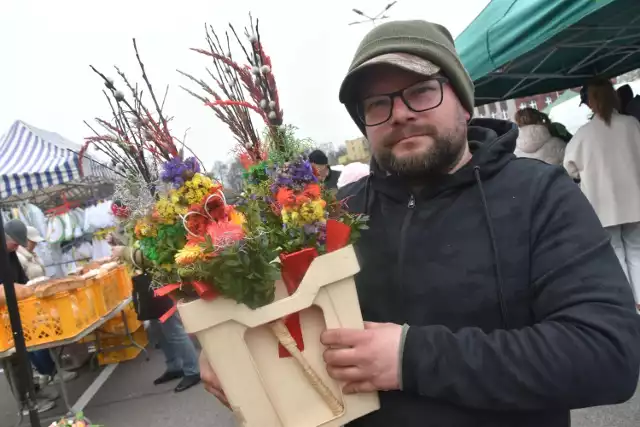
(629, 104)
(32, 265)
(181, 357)
(605, 155)
(328, 176)
(29, 260)
(352, 173)
(490, 292)
(16, 237)
(535, 140)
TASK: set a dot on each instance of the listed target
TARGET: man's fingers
(373, 325)
(359, 387)
(343, 356)
(219, 395)
(347, 374)
(343, 337)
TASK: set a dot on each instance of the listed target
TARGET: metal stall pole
(24, 366)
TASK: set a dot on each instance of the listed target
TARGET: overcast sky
(46, 48)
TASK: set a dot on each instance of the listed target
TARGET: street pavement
(129, 399)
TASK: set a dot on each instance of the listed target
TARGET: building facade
(357, 151)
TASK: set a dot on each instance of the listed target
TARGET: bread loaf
(22, 292)
(52, 287)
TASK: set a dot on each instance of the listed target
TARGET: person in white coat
(605, 155)
(535, 140)
(29, 260)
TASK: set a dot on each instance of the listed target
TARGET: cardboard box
(264, 389)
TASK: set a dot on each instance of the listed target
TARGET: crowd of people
(603, 157)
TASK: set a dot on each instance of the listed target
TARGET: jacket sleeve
(583, 348)
(571, 162)
(134, 257)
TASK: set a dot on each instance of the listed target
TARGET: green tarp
(517, 48)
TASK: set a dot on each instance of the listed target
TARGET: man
(492, 295)
(328, 176)
(16, 236)
(181, 357)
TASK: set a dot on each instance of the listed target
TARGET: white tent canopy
(34, 164)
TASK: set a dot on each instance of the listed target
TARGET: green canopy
(517, 48)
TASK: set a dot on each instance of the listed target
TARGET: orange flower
(285, 197)
(312, 191)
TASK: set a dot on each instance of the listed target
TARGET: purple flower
(176, 171)
(294, 175)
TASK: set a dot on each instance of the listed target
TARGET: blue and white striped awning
(32, 159)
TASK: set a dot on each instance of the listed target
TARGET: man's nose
(400, 113)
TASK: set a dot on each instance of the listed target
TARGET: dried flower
(265, 69)
(119, 96)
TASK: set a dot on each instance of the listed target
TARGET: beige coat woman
(606, 158)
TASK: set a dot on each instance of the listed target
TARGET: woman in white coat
(535, 139)
(29, 260)
(605, 155)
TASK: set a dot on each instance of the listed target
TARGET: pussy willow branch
(153, 96)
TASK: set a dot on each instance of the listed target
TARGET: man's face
(11, 245)
(415, 143)
(323, 171)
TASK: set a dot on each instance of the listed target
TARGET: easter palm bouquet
(198, 246)
(284, 217)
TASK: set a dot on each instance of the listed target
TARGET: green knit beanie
(426, 40)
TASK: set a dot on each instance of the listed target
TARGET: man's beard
(440, 158)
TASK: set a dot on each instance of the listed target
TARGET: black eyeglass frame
(400, 94)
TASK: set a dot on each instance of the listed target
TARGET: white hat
(33, 235)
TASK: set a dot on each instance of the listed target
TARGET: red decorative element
(293, 268)
(120, 211)
(168, 314)
(205, 291)
(229, 103)
(337, 235)
(166, 289)
(64, 208)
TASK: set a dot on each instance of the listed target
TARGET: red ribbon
(204, 291)
(338, 234)
(166, 289)
(293, 268)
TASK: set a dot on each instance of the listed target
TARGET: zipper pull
(412, 202)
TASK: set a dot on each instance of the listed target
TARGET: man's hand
(210, 380)
(367, 360)
(117, 252)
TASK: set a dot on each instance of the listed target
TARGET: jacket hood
(491, 142)
(532, 138)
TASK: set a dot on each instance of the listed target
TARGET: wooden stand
(241, 344)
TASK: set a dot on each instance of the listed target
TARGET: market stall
(44, 184)
(521, 48)
(48, 183)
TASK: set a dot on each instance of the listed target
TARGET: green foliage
(244, 272)
(283, 144)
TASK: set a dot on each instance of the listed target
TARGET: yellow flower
(236, 217)
(188, 254)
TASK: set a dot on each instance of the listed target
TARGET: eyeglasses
(422, 96)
